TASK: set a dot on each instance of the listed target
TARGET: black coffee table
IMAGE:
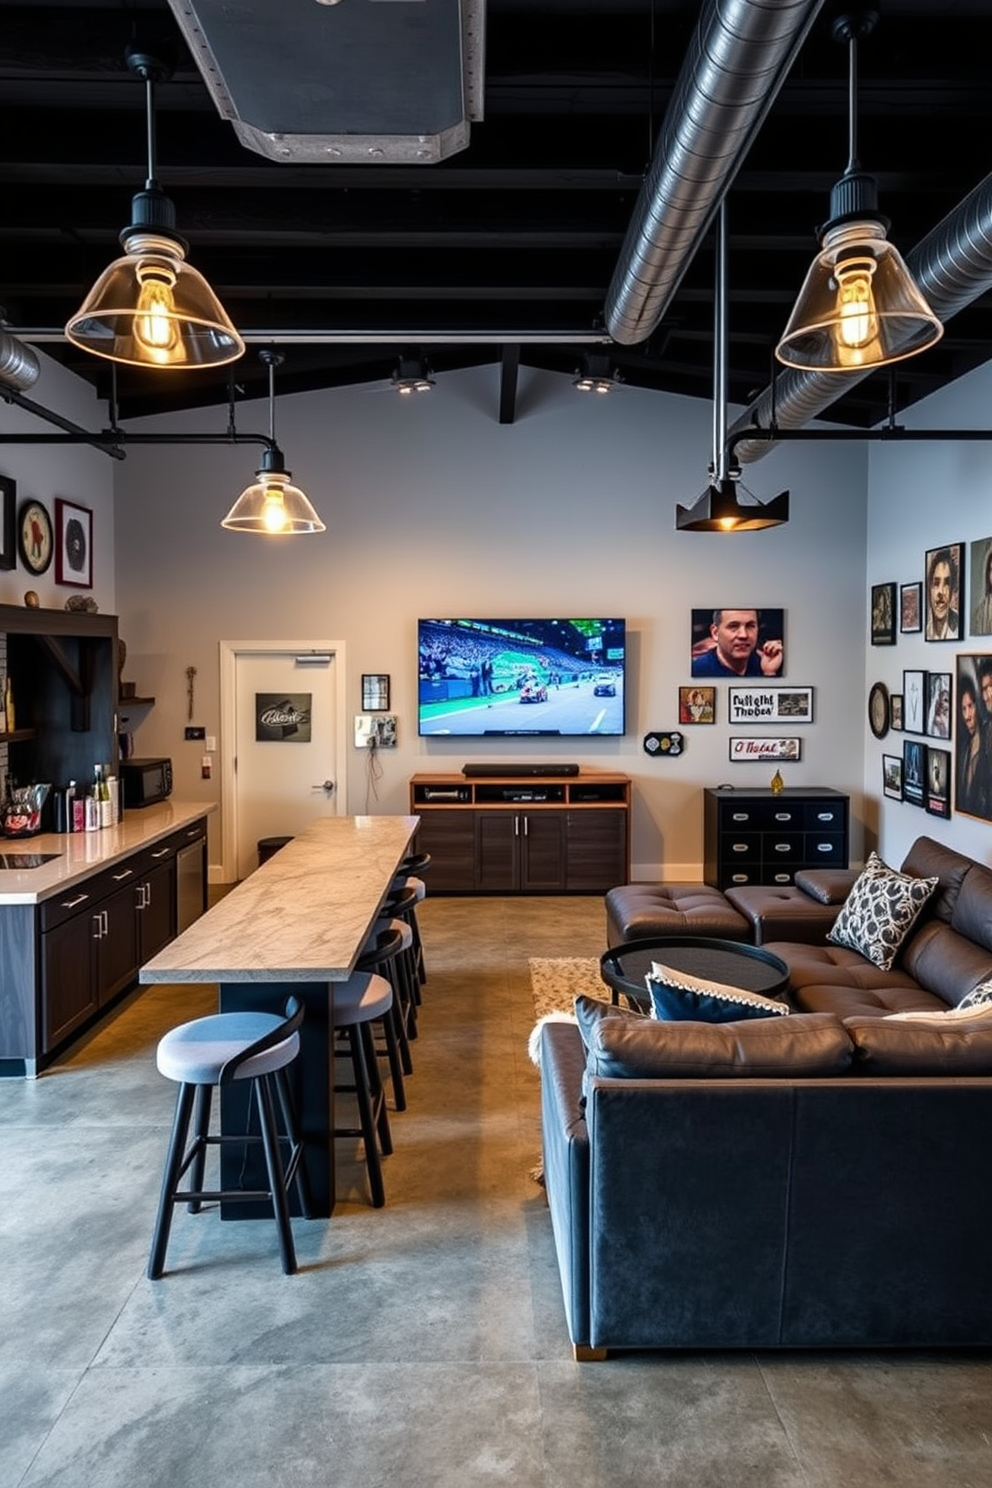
(624, 967)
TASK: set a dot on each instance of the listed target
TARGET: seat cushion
(651, 911)
(196, 1052)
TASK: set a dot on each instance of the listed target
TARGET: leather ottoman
(640, 911)
(791, 913)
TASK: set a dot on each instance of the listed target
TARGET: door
(283, 710)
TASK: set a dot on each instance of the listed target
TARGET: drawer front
(85, 895)
(825, 850)
(739, 875)
(740, 849)
(782, 851)
(825, 816)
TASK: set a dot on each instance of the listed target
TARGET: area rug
(557, 980)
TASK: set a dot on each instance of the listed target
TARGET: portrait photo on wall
(981, 586)
(938, 781)
(738, 643)
(913, 766)
(944, 596)
(697, 705)
(910, 608)
(973, 736)
(939, 705)
(883, 614)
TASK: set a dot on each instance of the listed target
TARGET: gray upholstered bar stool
(390, 950)
(363, 1000)
(413, 868)
(214, 1051)
(401, 904)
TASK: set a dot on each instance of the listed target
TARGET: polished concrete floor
(421, 1344)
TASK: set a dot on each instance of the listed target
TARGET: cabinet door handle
(74, 903)
(104, 922)
(516, 826)
(148, 895)
(526, 826)
(163, 852)
(97, 927)
(120, 877)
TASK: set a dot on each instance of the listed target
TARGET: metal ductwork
(19, 364)
(952, 266)
(739, 58)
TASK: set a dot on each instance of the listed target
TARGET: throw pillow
(880, 911)
(974, 1013)
(979, 996)
(678, 997)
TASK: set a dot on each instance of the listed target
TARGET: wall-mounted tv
(500, 678)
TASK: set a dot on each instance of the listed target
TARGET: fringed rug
(557, 980)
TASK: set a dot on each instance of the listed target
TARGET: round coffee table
(625, 967)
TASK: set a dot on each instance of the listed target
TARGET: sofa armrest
(827, 885)
(565, 1146)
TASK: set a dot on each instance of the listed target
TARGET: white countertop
(303, 916)
(81, 854)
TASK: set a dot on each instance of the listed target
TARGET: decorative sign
(745, 750)
(770, 704)
(670, 743)
(285, 719)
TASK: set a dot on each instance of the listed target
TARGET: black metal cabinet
(766, 837)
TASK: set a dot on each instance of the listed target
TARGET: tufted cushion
(677, 997)
(880, 911)
(652, 911)
(624, 1045)
(933, 1044)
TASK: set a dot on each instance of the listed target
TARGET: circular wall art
(34, 537)
(878, 710)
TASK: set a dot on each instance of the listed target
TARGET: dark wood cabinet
(524, 834)
(766, 837)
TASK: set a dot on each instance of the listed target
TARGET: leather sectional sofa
(819, 1180)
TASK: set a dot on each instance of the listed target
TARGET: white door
(284, 719)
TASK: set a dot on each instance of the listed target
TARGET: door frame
(229, 652)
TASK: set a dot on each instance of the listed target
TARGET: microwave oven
(145, 781)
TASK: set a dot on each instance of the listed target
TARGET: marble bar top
(81, 854)
(301, 917)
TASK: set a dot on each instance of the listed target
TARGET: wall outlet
(375, 730)
(194, 733)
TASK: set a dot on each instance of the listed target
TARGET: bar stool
(401, 904)
(388, 950)
(413, 867)
(211, 1052)
(364, 999)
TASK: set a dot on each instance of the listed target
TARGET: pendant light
(860, 307)
(412, 375)
(720, 509)
(151, 308)
(596, 375)
(272, 505)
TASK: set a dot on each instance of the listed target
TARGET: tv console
(487, 771)
(500, 832)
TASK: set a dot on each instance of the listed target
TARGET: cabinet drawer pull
(738, 878)
(740, 816)
(783, 847)
(120, 877)
(825, 816)
(825, 847)
(196, 832)
(740, 847)
(74, 903)
(782, 878)
(163, 852)
(783, 816)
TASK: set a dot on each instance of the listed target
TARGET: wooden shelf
(18, 735)
(124, 702)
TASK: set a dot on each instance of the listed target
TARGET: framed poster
(375, 692)
(913, 764)
(939, 705)
(938, 781)
(910, 608)
(770, 705)
(746, 750)
(914, 702)
(895, 711)
(981, 586)
(945, 592)
(8, 522)
(697, 705)
(283, 718)
(972, 726)
(73, 544)
(892, 776)
(883, 614)
(738, 643)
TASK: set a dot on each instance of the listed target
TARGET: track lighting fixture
(151, 308)
(412, 375)
(272, 505)
(596, 374)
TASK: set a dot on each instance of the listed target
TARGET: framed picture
(910, 608)
(945, 592)
(738, 644)
(697, 705)
(914, 702)
(282, 718)
(939, 705)
(35, 539)
(73, 544)
(883, 614)
(770, 705)
(973, 718)
(375, 692)
(892, 776)
(878, 710)
(913, 766)
(747, 750)
(895, 711)
(8, 523)
(938, 781)
(981, 586)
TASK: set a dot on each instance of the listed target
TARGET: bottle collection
(77, 808)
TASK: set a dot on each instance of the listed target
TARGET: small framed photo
(883, 614)
(939, 705)
(914, 702)
(892, 776)
(945, 592)
(789, 705)
(375, 692)
(938, 781)
(981, 586)
(697, 705)
(910, 608)
(73, 544)
(8, 522)
(913, 767)
(745, 750)
(895, 711)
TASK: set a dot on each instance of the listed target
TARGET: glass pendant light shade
(272, 504)
(859, 307)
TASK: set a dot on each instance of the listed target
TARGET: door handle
(327, 786)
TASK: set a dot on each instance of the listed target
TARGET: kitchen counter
(80, 854)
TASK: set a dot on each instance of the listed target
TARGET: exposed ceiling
(508, 247)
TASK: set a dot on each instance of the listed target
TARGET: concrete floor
(420, 1344)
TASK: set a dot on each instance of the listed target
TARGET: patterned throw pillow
(677, 997)
(979, 996)
(880, 911)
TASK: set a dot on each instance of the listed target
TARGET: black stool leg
(296, 1168)
(201, 1127)
(366, 1115)
(273, 1164)
(170, 1180)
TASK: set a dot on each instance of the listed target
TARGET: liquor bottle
(102, 794)
(10, 722)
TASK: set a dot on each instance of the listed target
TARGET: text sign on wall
(281, 718)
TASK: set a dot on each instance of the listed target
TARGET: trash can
(269, 846)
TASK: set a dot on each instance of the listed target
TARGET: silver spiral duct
(19, 364)
(952, 265)
(738, 60)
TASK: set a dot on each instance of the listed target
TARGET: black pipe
(893, 432)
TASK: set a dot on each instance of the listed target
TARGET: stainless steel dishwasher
(190, 884)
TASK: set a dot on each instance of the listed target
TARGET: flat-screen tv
(500, 678)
